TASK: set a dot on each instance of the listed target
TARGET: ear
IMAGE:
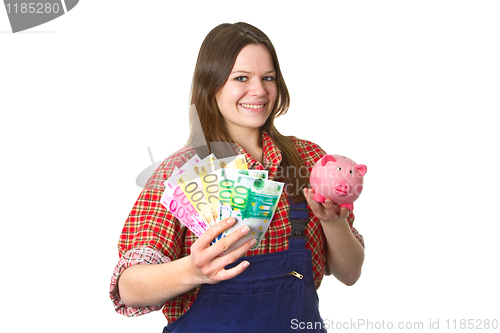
(327, 158)
(362, 168)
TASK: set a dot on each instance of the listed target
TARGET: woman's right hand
(146, 285)
(206, 260)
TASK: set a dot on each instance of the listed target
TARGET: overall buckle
(299, 218)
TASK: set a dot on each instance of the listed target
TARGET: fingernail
(230, 220)
(246, 264)
(245, 229)
(253, 242)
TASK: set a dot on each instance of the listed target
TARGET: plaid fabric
(151, 226)
(139, 255)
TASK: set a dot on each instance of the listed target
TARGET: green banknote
(252, 201)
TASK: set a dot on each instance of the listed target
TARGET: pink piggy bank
(337, 178)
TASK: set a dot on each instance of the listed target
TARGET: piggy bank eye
(339, 168)
(351, 172)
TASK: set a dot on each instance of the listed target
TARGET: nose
(341, 187)
(257, 88)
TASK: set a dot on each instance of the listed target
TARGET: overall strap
(299, 218)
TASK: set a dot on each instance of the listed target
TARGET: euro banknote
(252, 202)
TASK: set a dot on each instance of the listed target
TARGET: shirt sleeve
(136, 256)
(151, 234)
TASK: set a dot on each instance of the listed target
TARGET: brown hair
(216, 58)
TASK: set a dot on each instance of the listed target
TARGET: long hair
(216, 59)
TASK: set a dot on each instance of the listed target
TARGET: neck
(250, 140)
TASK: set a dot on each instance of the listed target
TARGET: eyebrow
(247, 72)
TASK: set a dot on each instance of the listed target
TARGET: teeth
(252, 106)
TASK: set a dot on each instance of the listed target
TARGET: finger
(224, 243)
(231, 257)
(226, 274)
(235, 254)
(344, 212)
(315, 206)
(308, 194)
(209, 235)
(330, 211)
(331, 206)
(324, 211)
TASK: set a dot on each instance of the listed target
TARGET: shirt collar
(270, 153)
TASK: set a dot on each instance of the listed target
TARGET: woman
(238, 91)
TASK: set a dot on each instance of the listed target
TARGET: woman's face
(248, 96)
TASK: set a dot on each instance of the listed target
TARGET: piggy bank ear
(327, 158)
(362, 168)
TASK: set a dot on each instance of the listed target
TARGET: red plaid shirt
(152, 235)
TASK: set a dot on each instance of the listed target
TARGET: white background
(409, 88)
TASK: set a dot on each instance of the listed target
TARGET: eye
(269, 78)
(241, 78)
(351, 172)
(339, 168)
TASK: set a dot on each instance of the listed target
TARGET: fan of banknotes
(205, 191)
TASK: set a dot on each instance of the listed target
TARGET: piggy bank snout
(341, 187)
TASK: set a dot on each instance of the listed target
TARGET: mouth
(340, 192)
(252, 106)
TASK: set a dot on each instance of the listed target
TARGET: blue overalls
(276, 293)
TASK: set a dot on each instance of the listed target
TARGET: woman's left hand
(344, 254)
(326, 212)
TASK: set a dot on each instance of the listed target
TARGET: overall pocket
(264, 310)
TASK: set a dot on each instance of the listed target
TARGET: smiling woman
(237, 91)
(235, 60)
(247, 99)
